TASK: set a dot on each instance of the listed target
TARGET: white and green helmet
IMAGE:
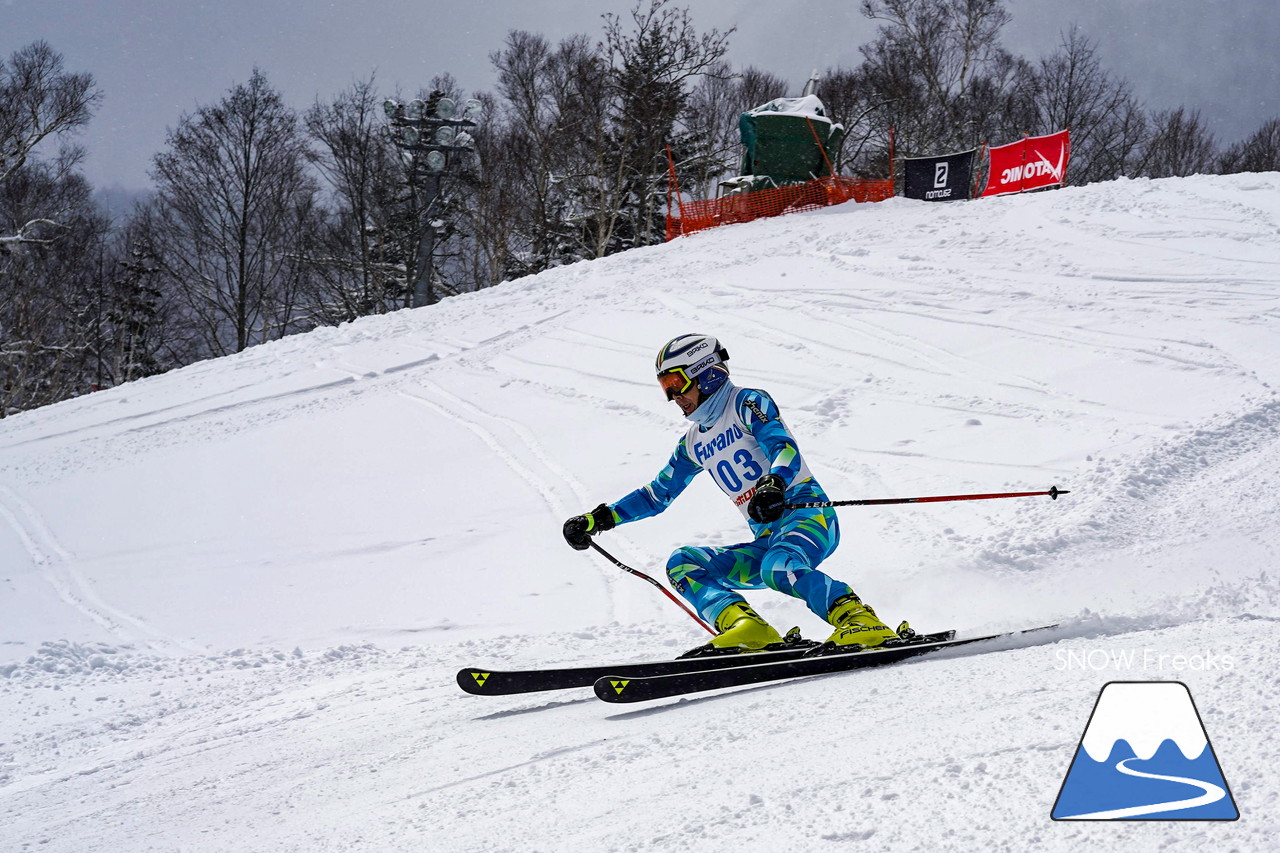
(692, 358)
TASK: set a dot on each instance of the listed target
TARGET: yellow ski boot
(856, 623)
(741, 630)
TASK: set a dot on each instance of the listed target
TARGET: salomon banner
(941, 178)
(1029, 164)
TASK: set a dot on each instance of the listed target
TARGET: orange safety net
(693, 216)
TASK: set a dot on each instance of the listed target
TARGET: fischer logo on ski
(619, 685)
(480, 677)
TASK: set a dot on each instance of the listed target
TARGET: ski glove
(578, 530)
(767, 501)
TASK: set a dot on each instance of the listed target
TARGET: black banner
(943, 178)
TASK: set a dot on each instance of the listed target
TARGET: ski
(619, 687)
(490, 682)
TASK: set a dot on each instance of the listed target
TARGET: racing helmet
(691, 358)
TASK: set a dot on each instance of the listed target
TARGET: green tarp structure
(780, 143)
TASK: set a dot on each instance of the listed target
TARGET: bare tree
(584, 131)
(928, 58)
(1259, 153)
(234, 204)
(581, 78)
(46, 304)
(540, 147)
(51, 233)
(1179, 145)
(1124, 140)
(1004, 103)
(844, 93)
(359, 265)
(713, 145)
(39, 100)
(497, 216)
(1073, 91)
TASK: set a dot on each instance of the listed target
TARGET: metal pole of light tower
(434, 145)
(424, 268)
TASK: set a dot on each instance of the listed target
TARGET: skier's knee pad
(681, 562)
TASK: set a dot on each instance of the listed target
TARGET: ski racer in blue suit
(738, 436)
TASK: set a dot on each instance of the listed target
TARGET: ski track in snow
(449, 406)
(1120, 340)
(58, 567)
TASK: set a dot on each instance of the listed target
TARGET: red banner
(1029, 164)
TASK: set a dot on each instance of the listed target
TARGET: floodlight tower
(433, 143)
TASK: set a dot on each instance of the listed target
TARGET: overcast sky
(157, 60)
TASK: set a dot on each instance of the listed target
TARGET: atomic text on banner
(1029, 164)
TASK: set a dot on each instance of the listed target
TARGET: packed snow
(233, 599)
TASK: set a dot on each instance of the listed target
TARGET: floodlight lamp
(445, 108)
(435, 161)
(474, 110)
(391, 108)
(463, 140)
(445, 135)
(414, 109)
(411, 136)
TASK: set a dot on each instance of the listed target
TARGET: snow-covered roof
(809, 106)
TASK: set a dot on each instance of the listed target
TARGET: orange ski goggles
(675, 381)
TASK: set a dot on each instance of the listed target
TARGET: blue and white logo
(1145, 756)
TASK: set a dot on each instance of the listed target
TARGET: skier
(738, 435)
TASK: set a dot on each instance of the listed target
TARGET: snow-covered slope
(233, 598)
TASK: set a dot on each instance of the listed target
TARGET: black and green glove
(579, 529)
(767, 502)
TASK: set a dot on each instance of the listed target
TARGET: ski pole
(1053, 493)
(661, 588)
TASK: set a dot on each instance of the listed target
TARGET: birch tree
(40, 101)
(235, 206)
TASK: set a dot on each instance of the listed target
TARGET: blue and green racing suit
(738, 436)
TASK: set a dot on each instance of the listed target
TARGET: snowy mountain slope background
(233, 598)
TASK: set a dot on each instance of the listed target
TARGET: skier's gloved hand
(578, 530)
(766, 504)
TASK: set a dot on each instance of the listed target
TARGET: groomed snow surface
(233, 598)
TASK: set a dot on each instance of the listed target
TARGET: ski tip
(612, 688)
(474, 680)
